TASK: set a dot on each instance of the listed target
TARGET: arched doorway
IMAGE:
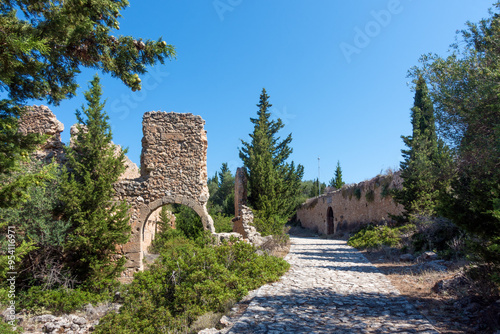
(330, 221)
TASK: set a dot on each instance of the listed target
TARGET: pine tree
(420, 190)
(337, 181)
(94, 165)
(273, 183)
(221, 188)
(44, 45)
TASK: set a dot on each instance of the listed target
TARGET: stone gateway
(173, 170)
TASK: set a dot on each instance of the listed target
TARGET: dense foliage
(464, 89)
(375, 237)
(273, 183)
(190, 279)
(221, 188)
(44, 46)
(98, 223)
(436, 235)
(426, 165)
(38, 224)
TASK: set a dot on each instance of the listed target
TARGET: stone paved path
(330, 288)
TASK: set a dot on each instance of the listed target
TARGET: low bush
(222, 223)
(273, 225)
(372, 236)
(6, 328)
(190, 279)
(60, 300)
(420, 235)
(438, 235)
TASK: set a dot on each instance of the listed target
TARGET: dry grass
(278, 246)
(207, 320)
(449, 299)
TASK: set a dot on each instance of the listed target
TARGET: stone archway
(173, 170)
(330, 221)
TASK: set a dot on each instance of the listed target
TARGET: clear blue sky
(342, 95)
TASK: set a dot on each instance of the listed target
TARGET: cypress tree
(337, 181)
(98, 224)
(273, 183)
(418, 169)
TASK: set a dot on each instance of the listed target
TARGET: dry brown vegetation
(453, 300)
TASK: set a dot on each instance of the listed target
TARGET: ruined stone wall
(173, 170)
(39, 119)
(345, 212)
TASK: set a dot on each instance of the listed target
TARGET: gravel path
(330, 288)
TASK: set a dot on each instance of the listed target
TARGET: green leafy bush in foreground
(188, 280)
(6, 328)
(373, 236)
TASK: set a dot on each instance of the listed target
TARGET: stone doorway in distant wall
(330, 221)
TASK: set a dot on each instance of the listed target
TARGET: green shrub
(188, 280)
(6, 328)
(373, 236)
(436, 235)
(188, 221)
(370, 196)
(164, 238)
(222, 223)
(273, 225)
(357, 193)
(58, 301)
(386, 191)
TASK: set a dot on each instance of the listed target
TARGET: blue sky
(335, 72)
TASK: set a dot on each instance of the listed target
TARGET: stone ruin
(242, 223)
(39, 119)
(173, 171)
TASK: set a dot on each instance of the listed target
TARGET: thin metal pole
(319, 184)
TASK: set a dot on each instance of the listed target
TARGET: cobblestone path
(330, 288)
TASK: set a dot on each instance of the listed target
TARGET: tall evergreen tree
(274, 184)
(420, 191)
(221, 188)
(465, 90)
(317, 188)
(98, 224)
(337, 181)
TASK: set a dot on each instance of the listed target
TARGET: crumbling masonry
(173, 170)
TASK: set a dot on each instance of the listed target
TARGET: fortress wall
(341, 210)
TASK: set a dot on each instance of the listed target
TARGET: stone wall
(173, 170)
(39, 119)
(347, 208)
